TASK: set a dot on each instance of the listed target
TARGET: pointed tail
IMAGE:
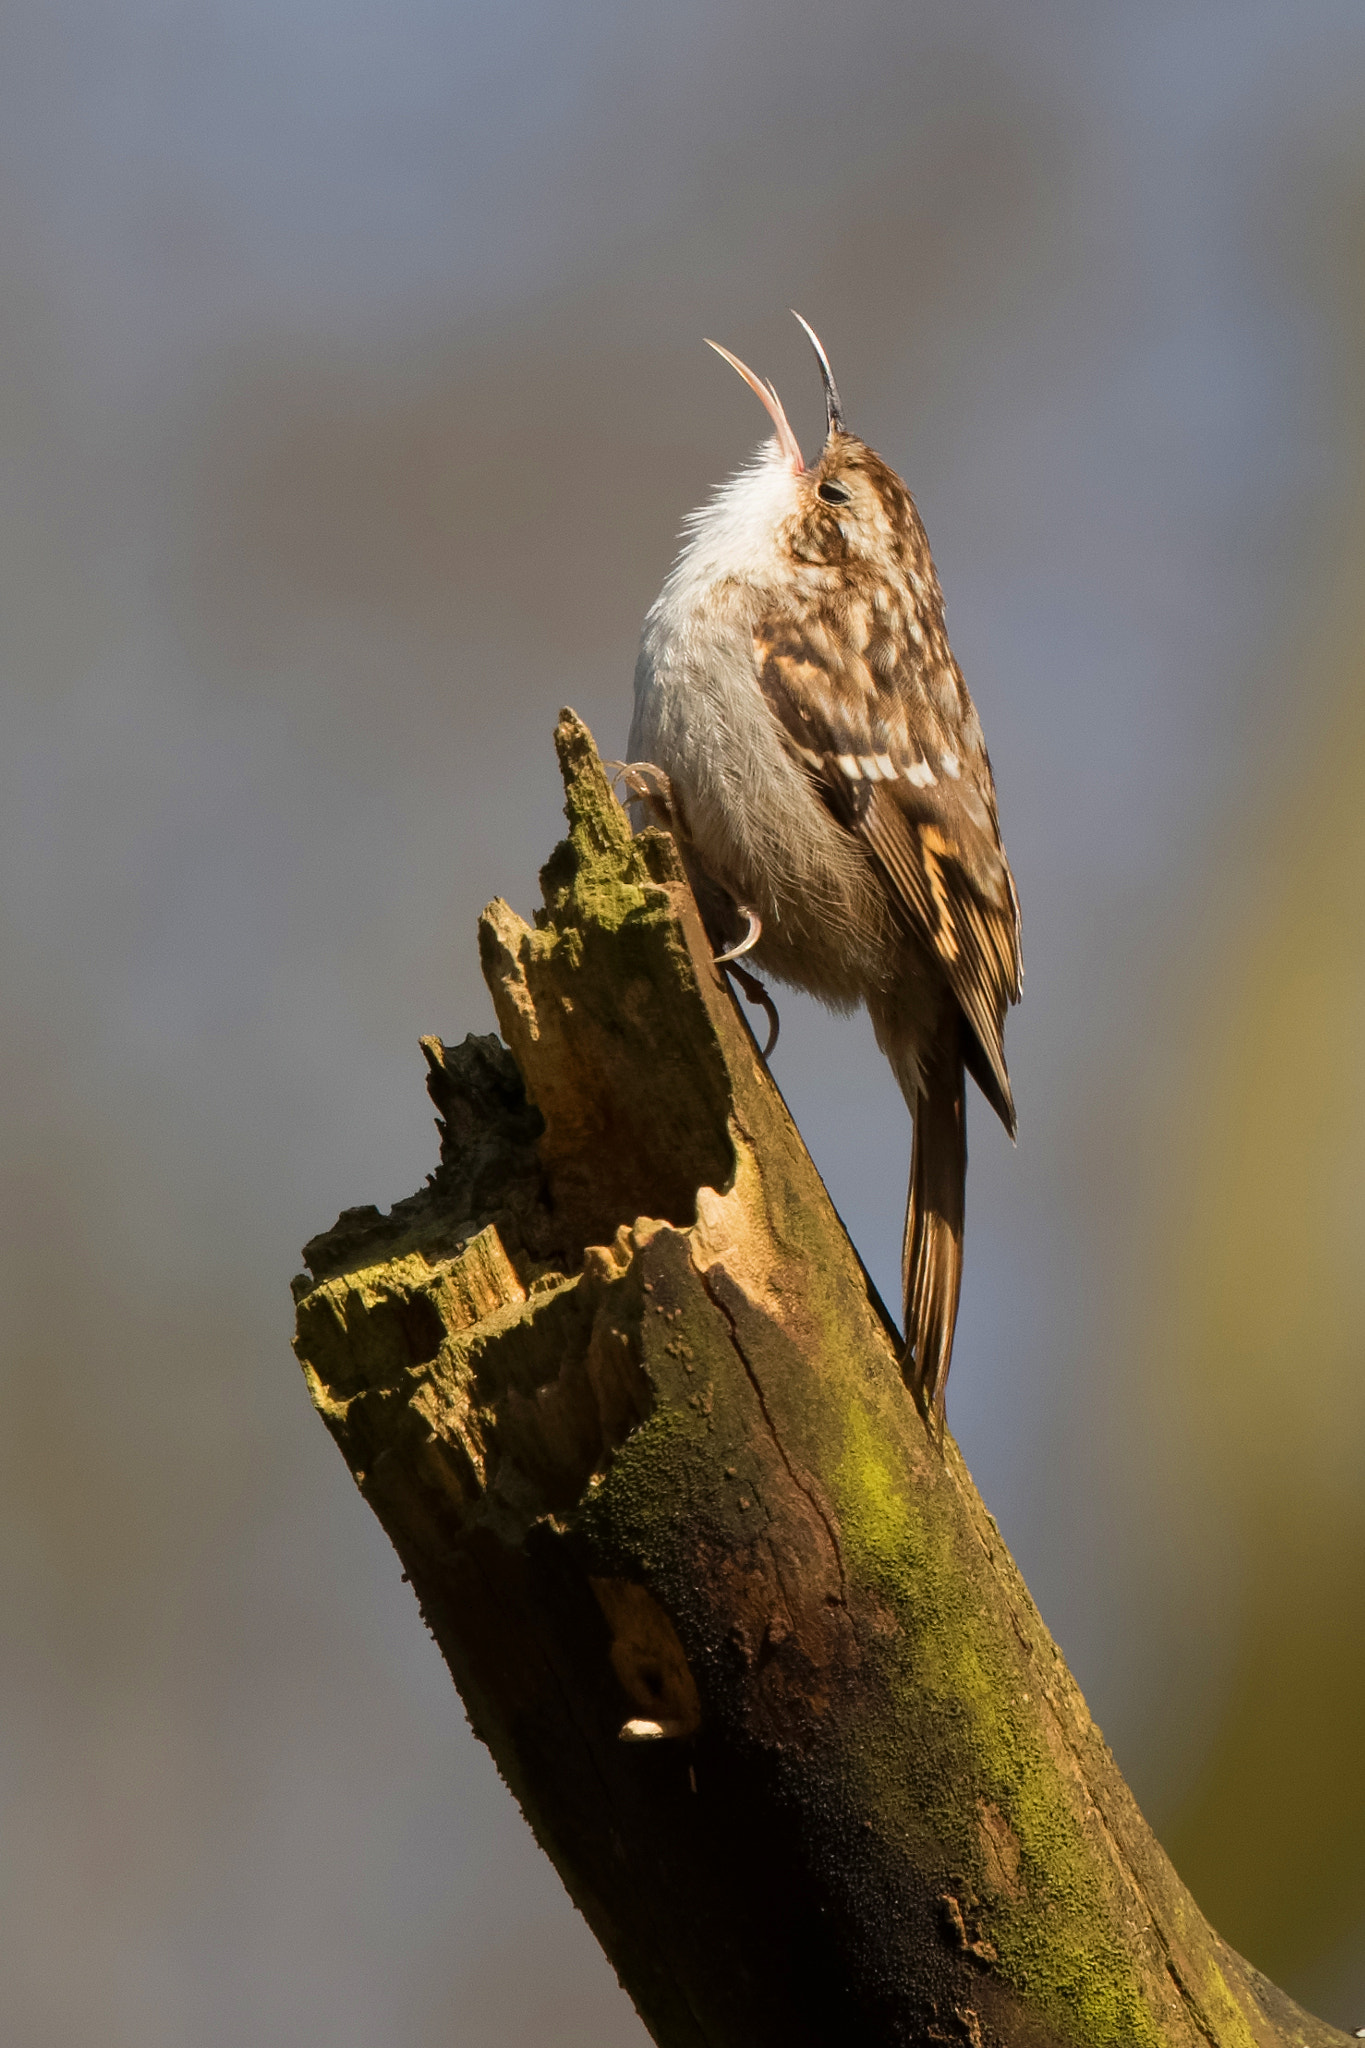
(931, 1256)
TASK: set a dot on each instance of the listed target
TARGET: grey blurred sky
(351, 395)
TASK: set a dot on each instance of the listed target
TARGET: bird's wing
(898, 756)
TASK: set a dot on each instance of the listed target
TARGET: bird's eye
(833, 494)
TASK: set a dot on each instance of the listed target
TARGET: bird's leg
(755, 993)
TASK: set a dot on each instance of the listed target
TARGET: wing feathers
(904, 768)
(974, 940)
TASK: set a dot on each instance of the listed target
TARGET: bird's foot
(643, 781)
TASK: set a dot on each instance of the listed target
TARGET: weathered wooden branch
(619, 1390)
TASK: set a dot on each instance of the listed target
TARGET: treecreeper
(739, 1633)
(803, 728)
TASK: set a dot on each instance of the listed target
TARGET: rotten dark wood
(746, 1646)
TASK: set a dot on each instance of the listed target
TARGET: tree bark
(744, 1643)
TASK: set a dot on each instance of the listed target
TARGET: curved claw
(643, 781)
(746, 944)
(756, 994)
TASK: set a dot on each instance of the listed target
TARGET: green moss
(600, 877)
(597, 823)
(595, 876)
(1224, 2011)
(629, 1520)
(882, 1535)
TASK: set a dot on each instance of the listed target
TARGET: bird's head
(848, 506)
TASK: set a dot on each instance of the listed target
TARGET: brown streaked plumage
(828, 781)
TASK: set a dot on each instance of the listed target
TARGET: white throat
(736, 534)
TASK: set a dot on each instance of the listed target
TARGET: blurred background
(352, 391)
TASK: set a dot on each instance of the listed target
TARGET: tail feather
(931, 1257)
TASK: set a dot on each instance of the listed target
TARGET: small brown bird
(802, 725)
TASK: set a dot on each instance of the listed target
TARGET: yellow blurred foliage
(1257, 1322)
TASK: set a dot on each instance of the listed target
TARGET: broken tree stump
(745, 1645)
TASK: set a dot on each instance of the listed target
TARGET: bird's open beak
(786, 439)
(834, 412)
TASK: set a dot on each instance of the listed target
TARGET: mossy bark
(619, 1390)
